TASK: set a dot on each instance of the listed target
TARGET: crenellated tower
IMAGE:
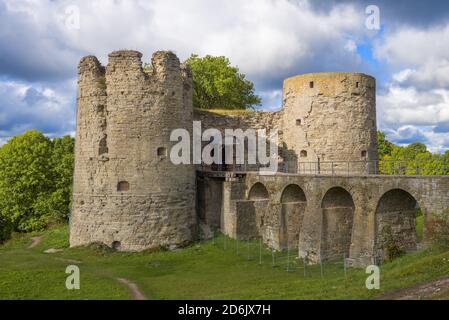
(126, 193)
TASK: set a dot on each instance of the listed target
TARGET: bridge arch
(337, 220)
(258, 192)
(293, 206)
(293, 193)
(395, 224)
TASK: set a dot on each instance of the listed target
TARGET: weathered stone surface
(344, 215)
(128, 195)
(124, 120)
(330, 116)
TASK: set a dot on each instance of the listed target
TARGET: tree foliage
(35, 180)
(218, 85)
(384, 147)
(411, 159)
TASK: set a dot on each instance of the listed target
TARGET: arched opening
(293, 193)
(303, 154)
(294, 204)
(258, 192)
(122, 186)
(103, 145)
(398, 224)
(338, 216)
(116, 245)
(161, 152)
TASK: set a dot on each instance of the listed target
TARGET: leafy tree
(413, 149)
(218, 85)
(35, 180)
(58, 204)
(384, 147)
(411, 159)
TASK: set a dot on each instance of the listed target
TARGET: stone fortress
(325, 200)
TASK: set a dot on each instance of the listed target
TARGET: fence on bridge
(363, 167)
(375, 167)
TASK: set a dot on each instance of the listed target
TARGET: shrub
(391, 247)
(5, 229)
(35, 180)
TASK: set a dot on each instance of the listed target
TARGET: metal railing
(428, 167)
(374, 167)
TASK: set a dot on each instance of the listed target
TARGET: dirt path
(35, 241)
(137, 294)
(427, 290)
(68, 260)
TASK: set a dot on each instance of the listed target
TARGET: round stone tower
(127, 193)
(328, 118)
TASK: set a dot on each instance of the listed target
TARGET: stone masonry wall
(330, 117)
(127, 194)
(355, 224)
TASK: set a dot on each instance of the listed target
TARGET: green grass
(201, 271)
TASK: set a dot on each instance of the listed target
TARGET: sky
(42, 41)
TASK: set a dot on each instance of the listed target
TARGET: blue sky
(42, 41)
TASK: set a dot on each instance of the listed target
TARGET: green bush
(35, 180)
(5, 229)
(392, 248)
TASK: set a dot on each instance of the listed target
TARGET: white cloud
(25, 106)
(400, 106)
(350, 46)
(418, 93)
(271, 99)
(436, 142)
(260, 36)
(424, 50)
(268, 40)
(403, 75)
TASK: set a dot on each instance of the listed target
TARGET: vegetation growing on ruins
(35, 182)
(218, 85)
(202, 271)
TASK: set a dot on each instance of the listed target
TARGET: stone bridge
(322, 216)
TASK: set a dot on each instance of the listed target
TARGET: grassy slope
(202, 271)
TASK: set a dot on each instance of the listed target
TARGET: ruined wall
(395, 223)
(247, 120)
(325, 117)
(338, 218)
(127, 193)
(292, 215)
(347, 222)
(330, 117)
(210, 201)
(254, 120)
